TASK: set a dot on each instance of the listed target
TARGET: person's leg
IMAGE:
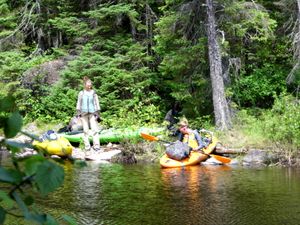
(95, 132)
(85, 124)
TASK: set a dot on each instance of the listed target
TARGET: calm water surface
(146, 194)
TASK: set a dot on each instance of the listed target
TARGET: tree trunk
(221, 108)
(296, 47)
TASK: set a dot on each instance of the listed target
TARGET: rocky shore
(145, 152)
(150, 152)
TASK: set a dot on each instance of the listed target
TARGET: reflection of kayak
(193, 159)
(114, 135)
(60, 146)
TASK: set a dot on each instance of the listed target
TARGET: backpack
(178, 150)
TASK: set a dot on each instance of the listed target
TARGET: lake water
(146, 194)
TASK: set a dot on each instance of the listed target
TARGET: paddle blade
(149, 137)
(221, 158)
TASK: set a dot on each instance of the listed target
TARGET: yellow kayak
(209, 149)
(194, 158)
(61, 146)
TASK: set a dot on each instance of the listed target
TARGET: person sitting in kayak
(189, 136)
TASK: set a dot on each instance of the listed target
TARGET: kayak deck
(194, 159)
(60, 147)
(114, 135)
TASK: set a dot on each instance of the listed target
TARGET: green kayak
(114, 135)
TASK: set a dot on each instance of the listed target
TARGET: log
(224, 150)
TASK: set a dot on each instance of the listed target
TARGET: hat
(183, 123)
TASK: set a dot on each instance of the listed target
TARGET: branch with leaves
(37, 173)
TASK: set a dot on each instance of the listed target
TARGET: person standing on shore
(88, 109)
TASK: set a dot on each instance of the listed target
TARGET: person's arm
(96, 102)
(168, 116)
(199, 140)
(78, 105)
(97, 107)
(168, 120)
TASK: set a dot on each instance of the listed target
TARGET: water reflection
(146, 194)
(87, 193)
(199, 190)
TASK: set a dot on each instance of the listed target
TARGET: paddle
(153, 138)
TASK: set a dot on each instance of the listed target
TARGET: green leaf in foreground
(10, 176)
(7, 104)
(6, 200)
(15, 146)
(2, 215)
(69, 220)
(13, 125)
(50, 220)
(32, 164)
(49, 176)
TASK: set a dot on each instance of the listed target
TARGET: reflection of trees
(79, 196)
(265, 195)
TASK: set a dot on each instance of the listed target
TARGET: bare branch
(27, 23)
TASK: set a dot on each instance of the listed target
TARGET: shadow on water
(147, 194)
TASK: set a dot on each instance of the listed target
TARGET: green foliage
(139, 67)
(184, 63)
(10, 119)
(282, 122)
(204, 122)
(259, 87)
(11, 66)
(13, 125)
(276, 128)
(110, 16)
(55, 106)
(49, 171)
(140, 114)
(249, 21)
(121, 79)
(35, 171)
(70, 25)
(14, 63)
(7, 20)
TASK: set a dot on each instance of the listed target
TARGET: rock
(26, 153)
(100, 161)
(96, 156)
(258, 157)
(46, 73)
(77, 153)
(109, 145)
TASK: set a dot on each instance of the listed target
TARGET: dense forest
(232, 64)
